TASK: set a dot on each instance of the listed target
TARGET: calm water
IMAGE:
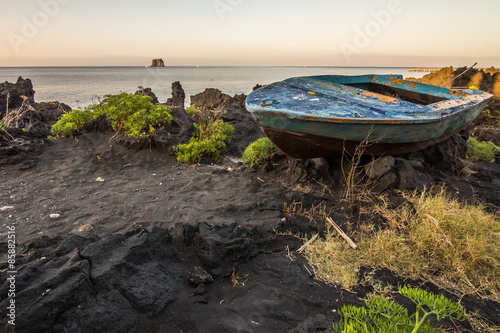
(79, 86)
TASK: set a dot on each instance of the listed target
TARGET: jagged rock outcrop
(13, 95)
(210, 99)
(233, 112)
(178, 96)
(157, 63)
(27, 123)
(148, 92)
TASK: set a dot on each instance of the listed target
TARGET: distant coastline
(77, 86)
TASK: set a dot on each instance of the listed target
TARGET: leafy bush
(134, 115)
(192, 111)
(482, 150)
(72, 122)
(258, 153)
(384, 315)
(209, 139)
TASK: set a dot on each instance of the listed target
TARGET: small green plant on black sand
(482, 150)
(258, 153)
(383, 315)
(210, 138)
(71, 123)
(133, 115)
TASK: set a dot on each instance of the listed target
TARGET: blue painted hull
(317, 116)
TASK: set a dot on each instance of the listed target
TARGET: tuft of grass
(482, 150)
(435, 238)
(210, 138)
(258, 153)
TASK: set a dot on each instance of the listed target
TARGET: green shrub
(209, 139)
(192, 111)
(482, 150)
(134, 115)
(3, 125)
(72, 122)
(383, 315)
(258, 153)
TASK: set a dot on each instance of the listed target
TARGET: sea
(81, 86)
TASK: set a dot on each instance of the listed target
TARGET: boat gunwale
(270, 114)
(435, 112)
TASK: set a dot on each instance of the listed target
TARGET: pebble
(99, 179)
(5, 208)
(54, 216)
(83, 228)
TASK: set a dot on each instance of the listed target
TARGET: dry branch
(306, 245)
(342, 233)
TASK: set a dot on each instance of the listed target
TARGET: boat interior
(402, 94)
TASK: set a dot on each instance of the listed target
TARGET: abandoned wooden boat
(318, 116)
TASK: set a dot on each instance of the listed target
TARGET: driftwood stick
(7, 106)
(306, 245)
(342, 233)
(468, 69)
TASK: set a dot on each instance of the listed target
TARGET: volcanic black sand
(117, 239)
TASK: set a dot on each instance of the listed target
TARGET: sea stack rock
(157, 63)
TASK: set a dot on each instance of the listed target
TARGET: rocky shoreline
(116, 236)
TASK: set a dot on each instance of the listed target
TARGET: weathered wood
(342, 233)
(309, 117)
(307, 244)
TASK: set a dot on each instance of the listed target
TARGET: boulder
(210, 99)
(200, 276)
(51, 112)
(409, 178)
(379, 167)
(385, 182)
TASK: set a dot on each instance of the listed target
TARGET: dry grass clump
(434, 238)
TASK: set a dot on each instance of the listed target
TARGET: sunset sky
(249, 32)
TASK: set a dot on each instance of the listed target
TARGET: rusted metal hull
(324, 115)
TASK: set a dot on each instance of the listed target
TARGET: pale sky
(249, 32)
